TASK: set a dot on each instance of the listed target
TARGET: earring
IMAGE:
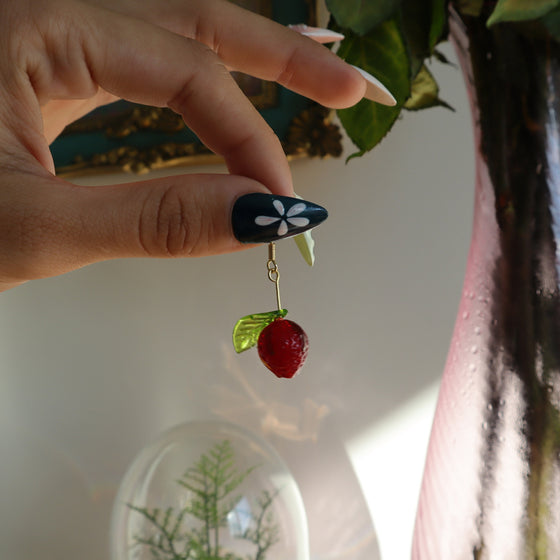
(282, 344)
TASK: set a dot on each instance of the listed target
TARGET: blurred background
(96, 364)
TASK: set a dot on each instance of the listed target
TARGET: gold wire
(273, 272)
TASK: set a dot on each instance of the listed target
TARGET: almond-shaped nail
(375, 90)
(318, 34)
(261, 218)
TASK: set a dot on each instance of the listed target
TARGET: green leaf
(423, 27)
(361, 16)
(247, 330)
(438, 25)
(306, 246)
(416, 21)
(383, 53)
(425, 92)
(521, 10)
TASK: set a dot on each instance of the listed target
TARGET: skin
(62, 58)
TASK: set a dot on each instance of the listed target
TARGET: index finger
(253, 44)
(145, 63)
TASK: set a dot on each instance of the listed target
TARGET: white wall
(96, 364)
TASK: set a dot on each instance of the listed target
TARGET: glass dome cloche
(209, 491)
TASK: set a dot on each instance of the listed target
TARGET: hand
(62, 58)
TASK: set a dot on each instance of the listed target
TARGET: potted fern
(491, 485)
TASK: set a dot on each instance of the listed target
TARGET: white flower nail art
(286, 219)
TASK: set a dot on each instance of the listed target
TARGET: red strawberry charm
(283, 347)
(282, 344)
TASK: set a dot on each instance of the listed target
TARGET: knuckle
(208, 65)
(286, 73)
(169, 226)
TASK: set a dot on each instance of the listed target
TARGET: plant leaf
(416, 20)
(247, 330)
(383, 53)
(521, 10)
(423, 27)
(425, 92)
(361, 16)
(438, 26)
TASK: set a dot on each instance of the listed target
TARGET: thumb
(49, 226)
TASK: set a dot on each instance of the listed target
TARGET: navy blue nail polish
(261, 218)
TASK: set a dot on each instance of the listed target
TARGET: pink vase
(491, 487)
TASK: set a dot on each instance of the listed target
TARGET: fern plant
(193, 532)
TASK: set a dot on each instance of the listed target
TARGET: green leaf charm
(521, 10)
(306, 245)
(247, 330)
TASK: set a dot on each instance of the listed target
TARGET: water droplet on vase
(474, 349)
(477, 330)
(465, 315)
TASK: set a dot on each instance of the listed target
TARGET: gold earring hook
(273, 272)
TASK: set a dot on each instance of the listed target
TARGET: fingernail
(375, 90)
(261, 218)
(317, 33)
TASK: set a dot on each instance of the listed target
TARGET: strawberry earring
(282, 344)
(265, 218)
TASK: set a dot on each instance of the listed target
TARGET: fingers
(157, 67)
(250, 43)
(260, 47)
(135, 60)
(49, 227)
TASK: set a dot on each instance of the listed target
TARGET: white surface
(97, 363)
(386, 458)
